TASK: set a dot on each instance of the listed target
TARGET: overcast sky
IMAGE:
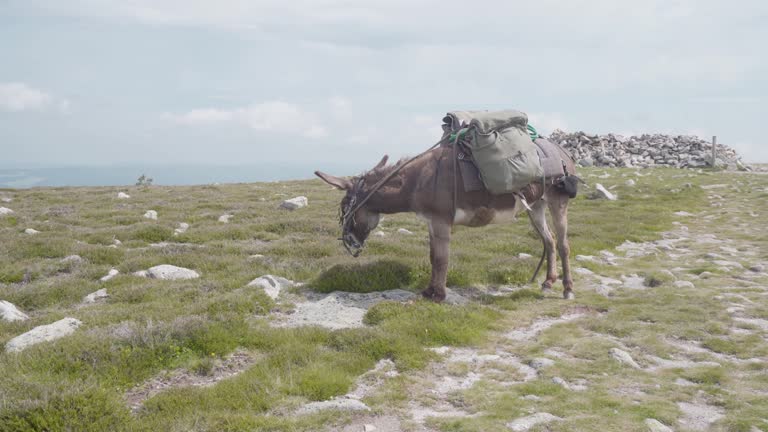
(246, 81)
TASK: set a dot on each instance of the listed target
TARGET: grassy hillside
(148, 327)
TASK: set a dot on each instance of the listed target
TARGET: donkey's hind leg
(558, 208)
(538, 219)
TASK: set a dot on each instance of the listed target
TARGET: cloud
(17, 97)
(546, 123)
(275, 116)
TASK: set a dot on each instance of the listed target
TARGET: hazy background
(100, 91)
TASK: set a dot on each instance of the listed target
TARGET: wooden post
(714, 151)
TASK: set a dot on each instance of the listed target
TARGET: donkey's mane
(376, 174)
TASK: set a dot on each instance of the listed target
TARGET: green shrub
(362, 278)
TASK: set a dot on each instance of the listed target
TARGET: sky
(240, 82)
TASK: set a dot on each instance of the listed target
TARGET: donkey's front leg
(439, 240)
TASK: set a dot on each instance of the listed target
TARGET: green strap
(532, 132)
(456, 136)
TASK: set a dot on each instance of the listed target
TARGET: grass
(148, 326)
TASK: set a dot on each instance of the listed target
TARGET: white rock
(96, 296)
(602, 192)
(44, 333)
(683, 213)
(31, 231)
(5, 211)
(522, 255)
(630, 183)
(542, 362)
(122, 195)
(151, 214)
(116, 242)
(404, 231)
(272, 285)
(524, 423)
(380, 233)
(112, 273)
(6, 199)
(72, 259)
(684, 284)
(343, 404)
(656, 426)
(295, 203)
(225, 218)
(256, 256)
(170, 272)
(369, 428)
(623, 357)
(9, 312)
(141, 273)
(183, 227)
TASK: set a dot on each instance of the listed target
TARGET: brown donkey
(426, 186)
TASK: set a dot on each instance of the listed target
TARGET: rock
(684, 284)
(295, 203)
(5, 211)
(72, 259)
(404, 231)
(541, 363)
(524, 255)
(524, 423)
(116, 242)
(630, 183)
(586, 162)
(369, 428)
(151, 214)
(624, 357)
(122, 195)
(343, 404)
(141, 273)
(170, 272)
(31, 231)
(112, 273)
(634, 282)
(272, 285)
(96, 296)
(531, 397)
(9, 312)
(44, 333)
(656, 426)
(602, 193)
(225, 218)
(683, 213)
(256, 256)
(6, 199)
(183, 227)
(380, 233)
(757, 268)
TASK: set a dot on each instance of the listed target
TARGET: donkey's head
(356, 218)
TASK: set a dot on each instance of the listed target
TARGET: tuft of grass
(362, 278)
(151, 233)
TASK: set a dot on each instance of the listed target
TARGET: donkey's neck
(394, 196)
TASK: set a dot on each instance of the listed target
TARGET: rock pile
(647, 150)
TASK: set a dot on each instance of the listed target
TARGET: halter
(347, 219)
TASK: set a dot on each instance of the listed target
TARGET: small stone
(9, 312)
(369, 428)
(524, 423)
(531, 397)
(522, 255)
(757, 268)
(602, 193)
(624, 357)
(151, 214)
(122, 195)
(44, 333)
(683, 213)
(656, 426)
(630, 183)
(112, 273)
(295, 203)
(404, 231)
(141, 273)
(5, 211)
(31, 231)
(116, 242)
(6, 199)
(684, 284)
(96, 296)
(256, 256)
(171, 272)
(225, 218)
(183, 227)
(541, 362)
(72, 259)
(380, 233)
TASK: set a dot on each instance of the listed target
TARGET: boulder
(44, 333)
(9, 312)
(151, 214)
(295, 203)
(272, 285)
(170, 272)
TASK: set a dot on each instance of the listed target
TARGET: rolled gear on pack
(500, 145)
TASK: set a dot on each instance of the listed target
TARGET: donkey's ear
(382, 163)
(337, 182)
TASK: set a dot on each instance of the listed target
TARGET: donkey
(427, 186)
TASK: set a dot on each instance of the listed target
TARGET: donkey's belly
(485, 215)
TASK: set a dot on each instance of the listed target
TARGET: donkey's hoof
(546, 287)
(428, 293)
(568, 295)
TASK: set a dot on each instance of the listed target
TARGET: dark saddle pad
(470, 175)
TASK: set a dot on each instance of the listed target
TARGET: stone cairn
(647, 150)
